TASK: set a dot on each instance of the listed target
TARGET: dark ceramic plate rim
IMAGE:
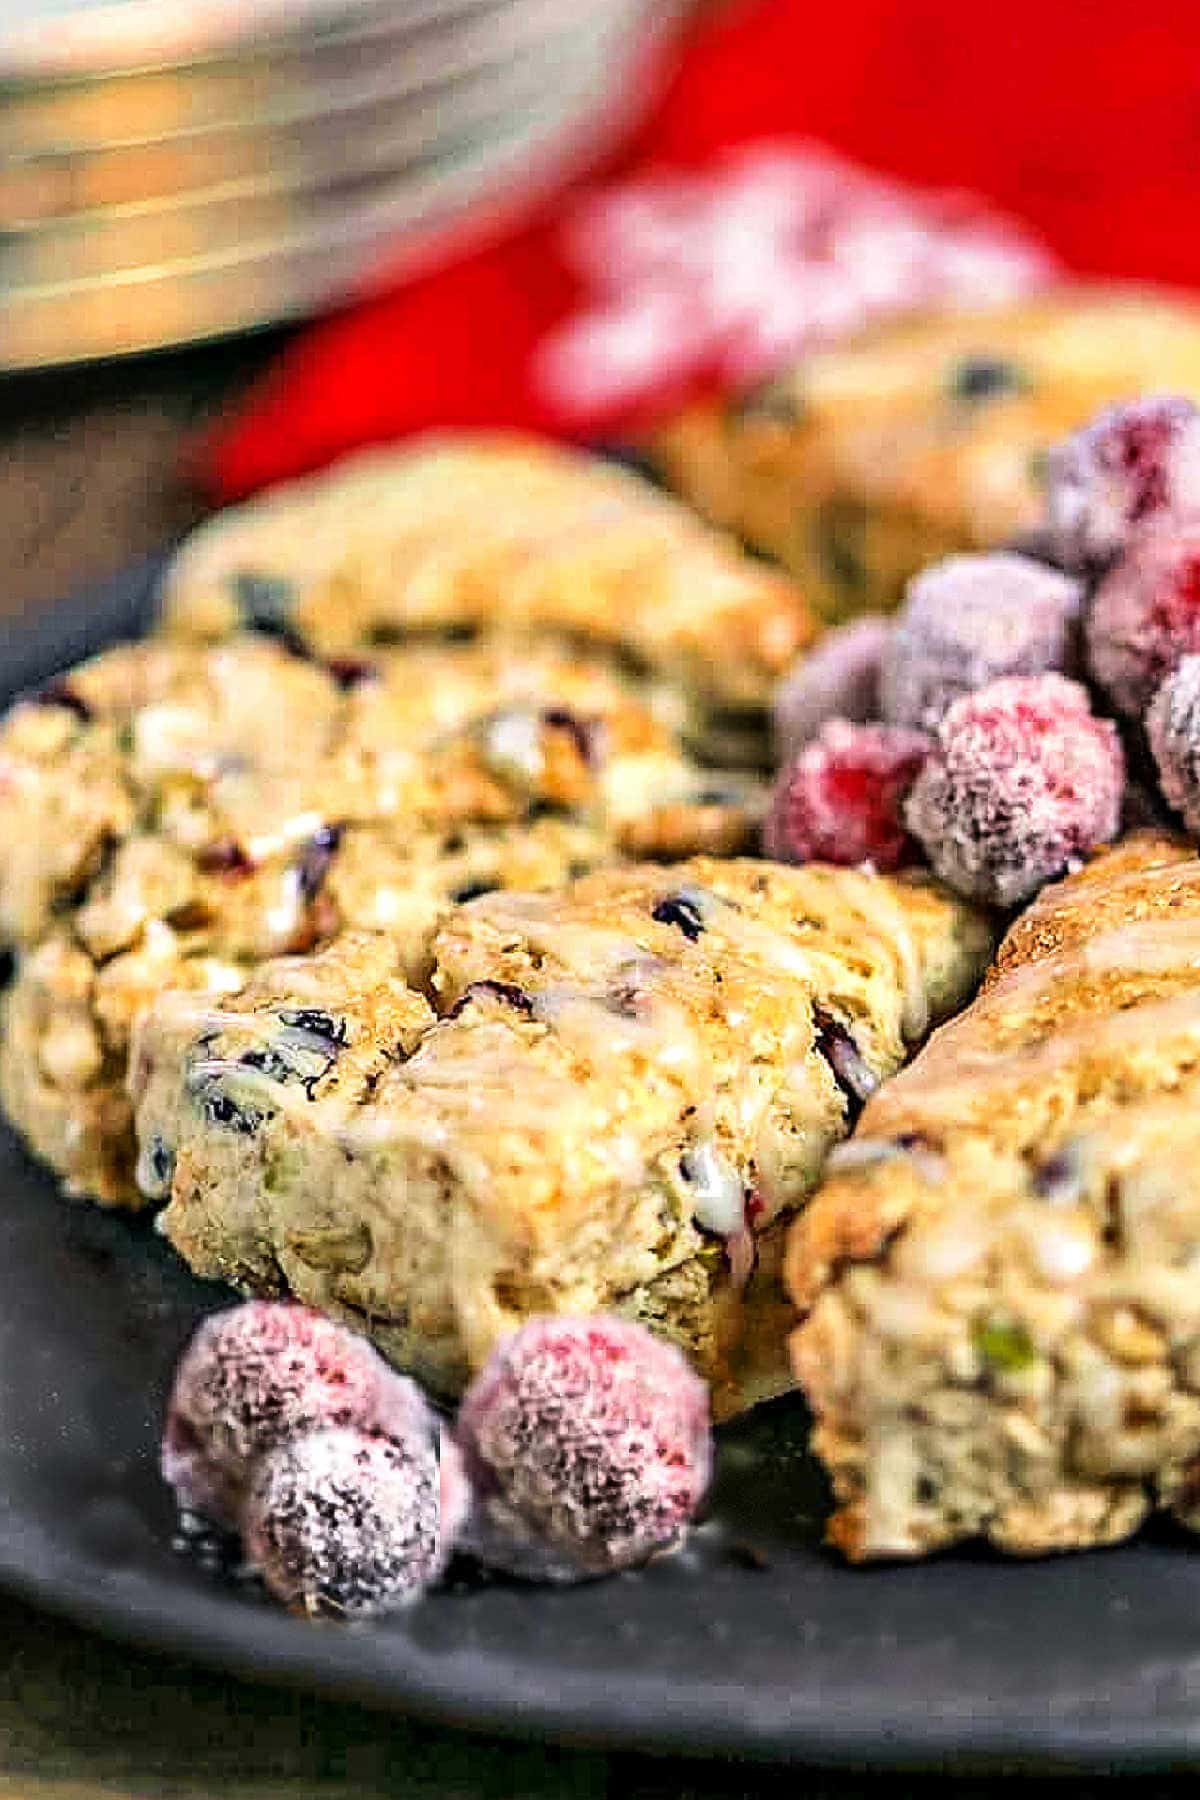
(1141, 1714)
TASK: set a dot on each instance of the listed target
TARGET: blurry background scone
(870, 460)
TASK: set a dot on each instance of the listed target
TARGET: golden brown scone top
(493, 534)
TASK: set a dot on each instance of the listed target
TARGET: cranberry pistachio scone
(630, 1085)
(499, 534)
(171, 814)
(872, 459)
(999, 1276)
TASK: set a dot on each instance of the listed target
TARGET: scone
(1000, 1277)
(505, 535)
(629, 1088)
(171, 814)
(873, 459)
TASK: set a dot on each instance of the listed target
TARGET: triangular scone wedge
(630, 1087)
(1000, 1277)
(501, 534)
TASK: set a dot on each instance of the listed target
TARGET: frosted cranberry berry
(1131, 464)
(345, 1522)
(1145, 617)
(259, 1374)
(1173, 728)
(841, 799)
(1021, 781)
(837, 680)
(970, 620)
(587, 1446)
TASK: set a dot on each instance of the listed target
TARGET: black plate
(754, 1641)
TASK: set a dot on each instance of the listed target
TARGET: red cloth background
(1081, 117)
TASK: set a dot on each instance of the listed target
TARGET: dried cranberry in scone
(841, 799)
(1173, 728)
(341, 1521)
(1130, 465)
(1022, 781)
(261, 1373)
(587, 1446)
(972, 619)
(1145, 617)
(839, 679)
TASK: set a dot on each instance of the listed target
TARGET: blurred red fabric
(1080, 117)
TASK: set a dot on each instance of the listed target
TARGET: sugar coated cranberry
(841, 799)
(1132, 463)
(1145, 617)
(1173, 728)
(259, 1374)
(970, 620)
(837, 680)
(346, 1522)
(1021, 781)
(587, 1446)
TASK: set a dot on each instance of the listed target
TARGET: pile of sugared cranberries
(1020, 778)
(585, 1448)
(256, 1387)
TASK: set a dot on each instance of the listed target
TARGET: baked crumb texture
(611, 1099)
(873, 459)
(171, 814)
(507, 536)
(1000, 1276)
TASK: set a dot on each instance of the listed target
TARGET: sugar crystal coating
(841, 799)
(346, 1522)
(837, 680)
(1173, 728)
(587, 1445)
(1022, 781)
(259, 1374)
(1132, 463)
(1145, 617)
(973, 619)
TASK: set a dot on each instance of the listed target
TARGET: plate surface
(754, 1641)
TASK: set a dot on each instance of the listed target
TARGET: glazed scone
(629, 1088)
(1000, 1277)
(172, 814)
(873, 459)
(498, 534)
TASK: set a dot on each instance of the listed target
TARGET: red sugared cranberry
(970, 620)
(587, 1446)
(1145, 617)
(1022, 780)
(841, 799)
(344, 1522)
(1132, 463)
(259, 1374)
(837, 680)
